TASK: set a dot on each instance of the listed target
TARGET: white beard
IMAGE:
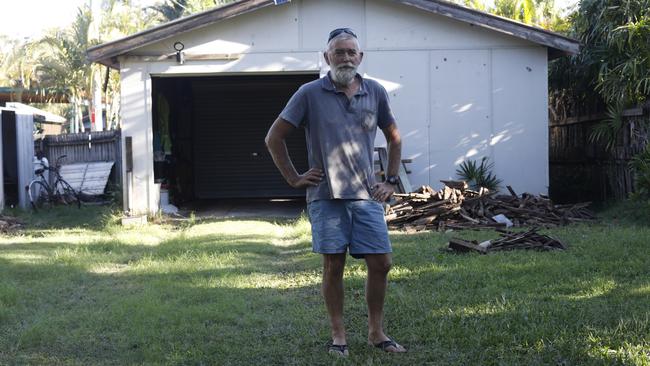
(343, 74)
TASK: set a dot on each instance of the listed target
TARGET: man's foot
(388, 345)
(340, 350)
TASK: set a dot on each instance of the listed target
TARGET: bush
(478, 176)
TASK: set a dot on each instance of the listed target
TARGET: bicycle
(42, 194)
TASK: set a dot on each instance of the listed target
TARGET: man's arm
(385, 190)
(275, 143)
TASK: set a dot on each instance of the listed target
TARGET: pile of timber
(509, 240)
(457, 207)
(8, 223)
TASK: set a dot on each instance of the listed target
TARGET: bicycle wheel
(68, 195)
(39, 196)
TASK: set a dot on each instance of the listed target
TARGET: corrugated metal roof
(88, 178)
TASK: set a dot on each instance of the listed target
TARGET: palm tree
(18, 66)
(65, 66)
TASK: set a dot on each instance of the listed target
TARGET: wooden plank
(404, 180)
(461, 245)
(383, 160)
(632, 112)
(403, 186)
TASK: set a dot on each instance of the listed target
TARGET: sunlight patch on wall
(388, 85)
(463, 108)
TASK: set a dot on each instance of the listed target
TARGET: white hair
(342, 37)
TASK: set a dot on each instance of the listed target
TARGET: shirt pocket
(368, 119)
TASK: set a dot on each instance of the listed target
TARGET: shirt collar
(328, 84)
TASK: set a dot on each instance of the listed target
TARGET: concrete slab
(238, 208)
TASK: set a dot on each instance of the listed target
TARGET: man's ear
(327, 59)
(360, 56)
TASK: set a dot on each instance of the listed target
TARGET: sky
(31, 18)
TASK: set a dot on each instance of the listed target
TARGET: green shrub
(479, 175)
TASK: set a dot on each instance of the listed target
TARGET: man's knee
(333, 264)
(379, 263)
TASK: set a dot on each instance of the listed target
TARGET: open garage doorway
(208, 136)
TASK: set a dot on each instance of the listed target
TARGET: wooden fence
(581, 170)
(85, 147)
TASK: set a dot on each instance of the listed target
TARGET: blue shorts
(357, 224)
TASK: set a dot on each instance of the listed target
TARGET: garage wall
(135, 112)
(458, 91)
(520, 102)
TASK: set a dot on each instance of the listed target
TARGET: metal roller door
(232, 115)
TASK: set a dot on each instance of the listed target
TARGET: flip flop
(388, 343)
(337, 349)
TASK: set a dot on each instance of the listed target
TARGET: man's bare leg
(378, 268)
(332, 289)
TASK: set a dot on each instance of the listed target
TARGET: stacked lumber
(509, 240)
(8, 223)
(456, 207)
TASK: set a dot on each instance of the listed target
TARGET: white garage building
(463, 85)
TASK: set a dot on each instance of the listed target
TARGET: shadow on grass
(239, 299)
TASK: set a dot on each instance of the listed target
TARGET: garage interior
(208, 138)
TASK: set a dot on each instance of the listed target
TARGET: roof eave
(558, 44)
(499, 24)
(107, 53)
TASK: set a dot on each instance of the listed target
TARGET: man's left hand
(382, 191)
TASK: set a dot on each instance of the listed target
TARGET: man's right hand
(311, 178)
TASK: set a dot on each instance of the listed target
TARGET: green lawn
(78, 289)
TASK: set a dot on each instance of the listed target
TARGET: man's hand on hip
(382, 191)
(311, 178)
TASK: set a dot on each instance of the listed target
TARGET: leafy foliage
(614, 63)
(479, 175)
(174, 9)
(541, 13)
(607, 131)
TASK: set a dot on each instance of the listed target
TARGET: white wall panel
(136, 122)
(393, 25)
(460, 110)
(319, 18)
(520, 140)
(25, 153)
(268, 29)
(405, 75)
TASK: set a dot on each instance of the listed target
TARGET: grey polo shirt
(340, 134)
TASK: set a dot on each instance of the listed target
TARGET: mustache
(346, 66)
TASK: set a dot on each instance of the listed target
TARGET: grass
(78, 289)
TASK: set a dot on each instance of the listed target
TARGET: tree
(613, 68)
(64, 65)
(174, 9)
(541, 13)
(18, 64)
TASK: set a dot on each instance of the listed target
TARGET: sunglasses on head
(338, 31)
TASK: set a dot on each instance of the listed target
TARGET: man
(341, 113)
